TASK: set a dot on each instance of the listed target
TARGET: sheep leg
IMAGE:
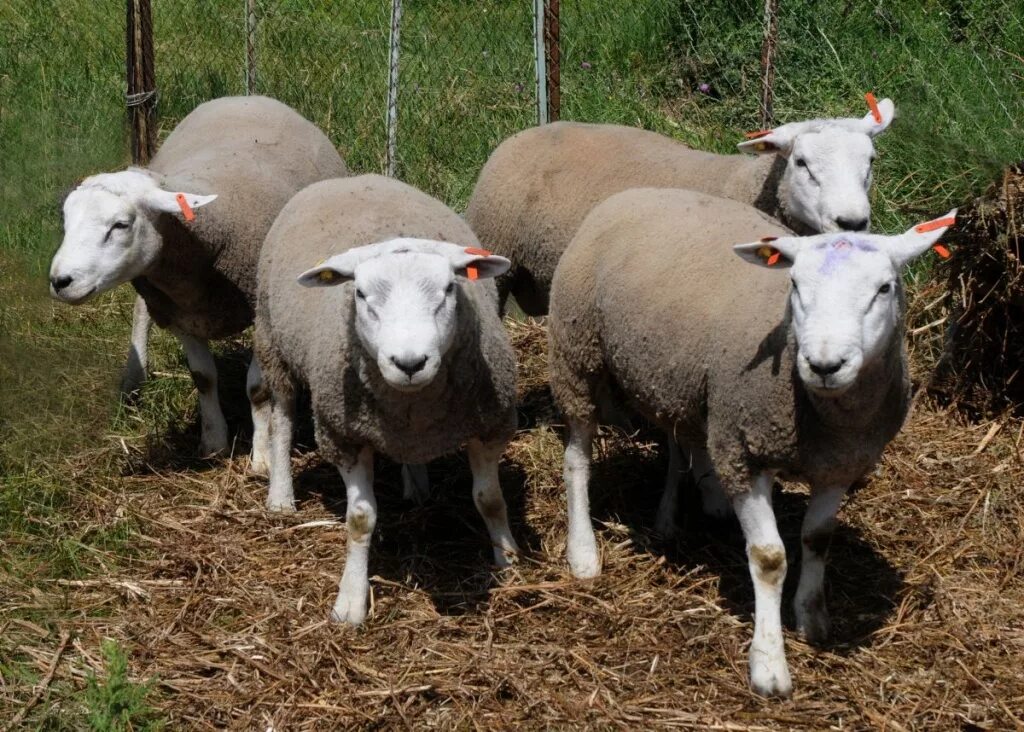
(259, 399)
(812, 620)
(281, 495)
(766, 556)
(483, 461)
(214, 440)
(665, 521)
(581, 547)
(713, 500)
(415, 483)
(138, 352)
(360, 518)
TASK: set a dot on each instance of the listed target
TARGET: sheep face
(828, 168)
(845, 298)
(406, 300)
(109, 236)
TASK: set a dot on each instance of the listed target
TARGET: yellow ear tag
(761, 146)
(328, 275)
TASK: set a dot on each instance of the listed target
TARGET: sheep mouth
(73, 299)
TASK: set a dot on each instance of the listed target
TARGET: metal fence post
(540, 61)
(250, 46)
(553, 57)
(393, 44)
(771, 28)
(140, 96)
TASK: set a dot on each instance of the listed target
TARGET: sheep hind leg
(812, 620)
(713, 500)
(134, 375)
(766, 556)
(483, 461)
(415, 483)
(214, 440)
(665, 521)
(259, 399)
(281, 493)
(360, 519)
(581, 545)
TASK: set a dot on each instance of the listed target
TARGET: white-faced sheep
(198, 279)
(402, 353)
(787, 360)
(538, 185)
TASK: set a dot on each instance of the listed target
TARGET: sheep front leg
(259, 400)
(483, 461)
(360, 518)
(134, 375)
(665, 521)
(812, 619)
(766, 556)
(281, 495)
(581, 546)
(214, 440)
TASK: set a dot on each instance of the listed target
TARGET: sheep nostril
(826, 369)
(852, 224)
(59, 283)
(409, 365)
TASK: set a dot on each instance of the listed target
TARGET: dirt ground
(226, 607)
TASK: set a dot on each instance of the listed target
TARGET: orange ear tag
(186, 210)
(757, 134)
(873, 106)
(770, 255)
(935, 224)
(472, 272)
(941, 251)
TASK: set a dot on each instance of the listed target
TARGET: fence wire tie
(139, 98)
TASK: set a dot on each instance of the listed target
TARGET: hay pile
(226, 607)
(980, 368)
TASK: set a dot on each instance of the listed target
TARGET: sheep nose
(826, 369)
(409, 364)
(852, 224)
(59, 283)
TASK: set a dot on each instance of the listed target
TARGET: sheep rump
(650, 301)
(299, 338)
(255, 153)
(538, 186)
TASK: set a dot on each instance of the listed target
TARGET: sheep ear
(772, 252)
(772, 142)
(158, 199)
(918, 240)
(332, 271)
(478, 264)
(887, 111)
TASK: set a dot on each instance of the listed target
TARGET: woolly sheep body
(473, 397)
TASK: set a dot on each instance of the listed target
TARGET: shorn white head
(109, 236)
(845, 296)
(406, 300)
(828, 168)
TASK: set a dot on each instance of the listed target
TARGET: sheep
(802, 376)
(404, 356)
(198, 279)
(537, 186)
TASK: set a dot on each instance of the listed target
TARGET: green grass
(954, 69)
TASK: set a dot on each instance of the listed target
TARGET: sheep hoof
(214, 445)
(771, 681)
(665, 526)
(276, 505)
(812, 621)
(259, 464)
(350, 607)
(505, 558)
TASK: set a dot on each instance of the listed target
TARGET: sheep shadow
(862, 587)
(440, 546)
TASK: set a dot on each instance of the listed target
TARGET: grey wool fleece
(307, 335)
(254, 153)
(538, 185)
(657, 309)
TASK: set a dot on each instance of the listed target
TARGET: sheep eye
(450, 288)
(795, 288)
(801, 163)
(120, 225)
(884, 289)
(360, 294)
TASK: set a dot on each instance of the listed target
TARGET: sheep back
(650, 302)
(538, 185)
(255, 153)
(308, 335)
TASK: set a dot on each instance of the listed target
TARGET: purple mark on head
(839, 250)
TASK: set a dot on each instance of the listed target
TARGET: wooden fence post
(140, 97)
(771, 29)
(553, 55)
